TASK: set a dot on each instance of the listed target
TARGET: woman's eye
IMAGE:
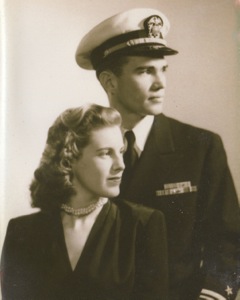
(122, 150)
(104, 153)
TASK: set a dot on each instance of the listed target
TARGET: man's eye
(145, 71)
(165, 68)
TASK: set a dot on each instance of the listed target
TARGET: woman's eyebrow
(103, 149)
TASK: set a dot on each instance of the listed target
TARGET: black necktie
(130, 158)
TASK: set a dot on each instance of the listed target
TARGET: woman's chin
(112, 193)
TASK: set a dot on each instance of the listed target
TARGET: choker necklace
(85, 210)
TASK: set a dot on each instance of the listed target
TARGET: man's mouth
(158, 99)
(116, 179)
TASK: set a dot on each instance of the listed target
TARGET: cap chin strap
(134, 42)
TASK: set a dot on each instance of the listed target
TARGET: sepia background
(39, 77)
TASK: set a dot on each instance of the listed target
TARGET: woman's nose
(118, 163)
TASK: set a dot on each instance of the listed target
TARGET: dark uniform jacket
(124, 258)
(183, 172)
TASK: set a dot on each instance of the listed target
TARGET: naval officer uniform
(182, 170)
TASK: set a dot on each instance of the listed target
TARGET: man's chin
(154, 110)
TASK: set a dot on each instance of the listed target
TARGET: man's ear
(108, 81)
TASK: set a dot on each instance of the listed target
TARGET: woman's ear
(108, 81)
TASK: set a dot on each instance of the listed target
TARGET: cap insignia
(153, 26)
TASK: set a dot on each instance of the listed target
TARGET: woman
(81, 245)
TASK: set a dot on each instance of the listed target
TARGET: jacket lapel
(158, 150)
(57, 261)
(160, 138)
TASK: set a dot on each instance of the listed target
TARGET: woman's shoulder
(26, 222)
(138, 212)
(28, 218)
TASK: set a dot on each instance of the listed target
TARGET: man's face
(140, 89)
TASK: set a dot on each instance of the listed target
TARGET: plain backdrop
(40, 79)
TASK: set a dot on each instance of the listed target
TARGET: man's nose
(159, 81)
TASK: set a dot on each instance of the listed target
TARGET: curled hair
(70, 133)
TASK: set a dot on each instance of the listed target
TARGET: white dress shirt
(141, 131)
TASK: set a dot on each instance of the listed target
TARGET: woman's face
(97, 173)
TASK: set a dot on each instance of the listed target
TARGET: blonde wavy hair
(67, 137)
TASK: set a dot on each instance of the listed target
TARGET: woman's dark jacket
(125, 257)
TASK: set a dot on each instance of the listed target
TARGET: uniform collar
(141, 131)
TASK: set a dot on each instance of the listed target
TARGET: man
(176, 168)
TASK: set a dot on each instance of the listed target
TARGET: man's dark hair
(114, 63)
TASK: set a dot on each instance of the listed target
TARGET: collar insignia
(153, 26)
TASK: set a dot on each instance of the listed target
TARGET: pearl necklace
(85, 210)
